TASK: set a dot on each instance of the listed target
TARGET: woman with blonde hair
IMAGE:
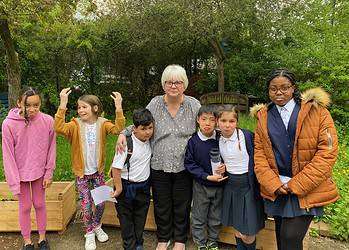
(175, 121)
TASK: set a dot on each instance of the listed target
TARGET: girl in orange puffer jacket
(295, 149)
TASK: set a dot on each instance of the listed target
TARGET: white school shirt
(204, 137)
(236, 161)
(139, 161)
(91, 165)
(286, 111)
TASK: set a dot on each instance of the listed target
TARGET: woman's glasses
(175, 83)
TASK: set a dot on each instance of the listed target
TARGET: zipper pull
(329, 139)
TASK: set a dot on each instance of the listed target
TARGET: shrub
(337, 214)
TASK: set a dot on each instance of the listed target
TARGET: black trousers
(290, 232)
(132, 216)
(172, 194)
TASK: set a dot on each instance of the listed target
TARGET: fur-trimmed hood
(316, 95)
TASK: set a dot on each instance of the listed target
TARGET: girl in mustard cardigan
(87, 136)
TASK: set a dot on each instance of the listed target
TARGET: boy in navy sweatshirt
(207, 186)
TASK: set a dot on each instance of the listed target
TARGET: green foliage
(2, 174)
(247, 122)
(314, 232)
(3, 113)
(337, 214)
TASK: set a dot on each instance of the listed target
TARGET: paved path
(73, 239)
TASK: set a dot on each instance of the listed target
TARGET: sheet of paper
(284, 179)
(101, 194)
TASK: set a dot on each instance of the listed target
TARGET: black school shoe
(43, 245)
(28, 247)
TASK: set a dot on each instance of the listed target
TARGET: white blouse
(235, 160)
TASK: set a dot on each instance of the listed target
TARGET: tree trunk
(56, 58)
(91, 68)
(333, 11)
(220, 74)
(13, 69)
(219, 57)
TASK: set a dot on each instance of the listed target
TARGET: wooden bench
(265, 239)
(226, 100)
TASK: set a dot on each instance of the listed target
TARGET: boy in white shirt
(131, 171)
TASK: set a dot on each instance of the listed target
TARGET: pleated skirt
(241, 209)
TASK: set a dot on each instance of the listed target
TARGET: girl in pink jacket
(29, 155)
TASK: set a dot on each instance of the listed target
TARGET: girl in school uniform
(295, 149)
(242, 203)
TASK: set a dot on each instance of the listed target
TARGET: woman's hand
(216, 178)
(46, 183)
(64, 97)
(117, 100)
(117, 191)
(120, 144)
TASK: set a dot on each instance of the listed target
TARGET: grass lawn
(63, 170)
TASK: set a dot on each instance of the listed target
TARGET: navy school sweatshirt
(197, 159)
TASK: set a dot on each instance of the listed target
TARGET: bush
(3, 113)
(337, 214)
(63, 171)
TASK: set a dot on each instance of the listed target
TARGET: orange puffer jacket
(314, 153)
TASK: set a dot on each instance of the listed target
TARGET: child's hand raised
(117, 100)
(64, 97)
(216, 178)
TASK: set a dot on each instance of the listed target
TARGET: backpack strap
(129, 143)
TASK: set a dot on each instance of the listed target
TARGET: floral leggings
(91, 217)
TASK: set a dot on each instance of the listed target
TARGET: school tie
(284, 116)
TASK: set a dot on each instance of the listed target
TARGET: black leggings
(290, 232)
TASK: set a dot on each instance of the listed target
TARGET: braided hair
(290, 76)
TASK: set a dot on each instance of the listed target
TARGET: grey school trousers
(206, 213)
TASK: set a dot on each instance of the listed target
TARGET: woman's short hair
(174, 71)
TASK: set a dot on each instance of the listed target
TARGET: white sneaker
(90, 242)
(101, 235)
